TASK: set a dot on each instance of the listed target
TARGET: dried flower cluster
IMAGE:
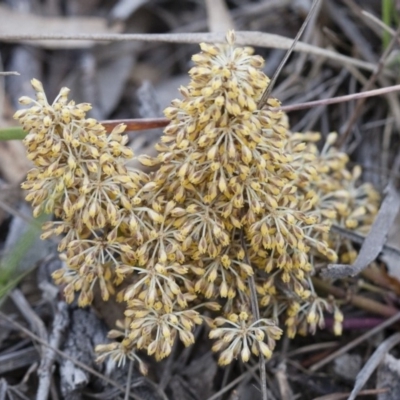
(235, 196)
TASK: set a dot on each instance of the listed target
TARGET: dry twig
(8, 73)
(45, 370)
(271, 85)
(355, 342)
(260, 39)
(153, 123)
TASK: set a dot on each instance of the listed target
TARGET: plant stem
(387, 12)
(268, 90)
(256, 313)
(128, 381)
(12, 133)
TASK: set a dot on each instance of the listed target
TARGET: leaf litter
(92, 68)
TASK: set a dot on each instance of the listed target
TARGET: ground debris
(138, 79)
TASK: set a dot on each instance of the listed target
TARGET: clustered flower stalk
(234, 194)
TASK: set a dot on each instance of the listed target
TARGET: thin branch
(378, 22)
(340, 99)
(355, 342)
(260, 39)
(137, 124)
(372, 79)
(152, 123)
(268, 90)
(344, 396)
(61, 321)
(8, 73)
(29, 314)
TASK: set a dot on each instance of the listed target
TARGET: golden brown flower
(240, 334)
(236, 196)
(79, 175)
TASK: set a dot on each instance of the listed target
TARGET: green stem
(10, 264)
(256, 314)
(12, 133)
(387, 18)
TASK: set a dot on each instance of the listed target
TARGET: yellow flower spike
(235, 194)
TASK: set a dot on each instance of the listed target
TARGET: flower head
(240, 334)
(235, 196)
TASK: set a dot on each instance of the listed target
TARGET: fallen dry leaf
(218, 16)
(13, 162)
(374, 242)
(13, 22)
(373, 362)
(388, 377)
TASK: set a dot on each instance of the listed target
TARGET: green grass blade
(9, 265)
(388, 11)
(12, 133)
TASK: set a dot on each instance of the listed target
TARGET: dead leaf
(9, 196)
(347, 366)
(389, 377)
(13, 22)
(374, 242)
(125, 8)
(13, 162)
(390, 259)
(218, 16)
(372, 363)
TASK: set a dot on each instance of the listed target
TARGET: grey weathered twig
(339, 99)
(26, 310)
(261, 39)
(8, 73)
(18, 359)
(61, 320)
